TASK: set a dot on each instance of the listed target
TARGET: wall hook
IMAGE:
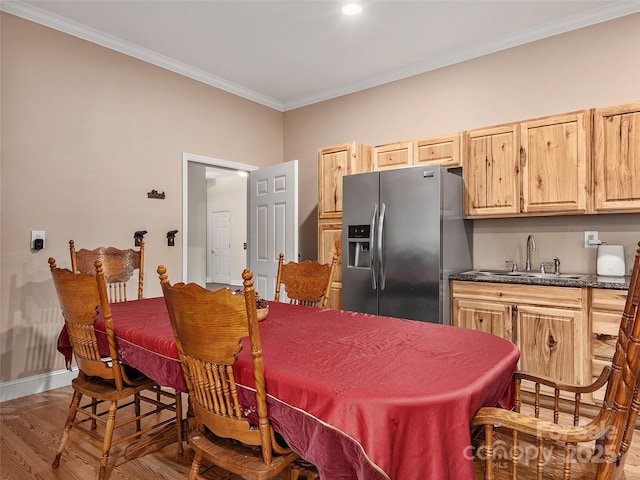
(138, 236)
(171, 237)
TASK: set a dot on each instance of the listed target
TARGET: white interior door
(272, 222)
(220, 247)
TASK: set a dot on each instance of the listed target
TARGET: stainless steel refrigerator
(403, 234)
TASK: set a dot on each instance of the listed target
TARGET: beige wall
(87, 131)
(595, 66)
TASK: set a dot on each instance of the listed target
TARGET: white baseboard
(36, 384)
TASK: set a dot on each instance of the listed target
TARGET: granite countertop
(586, 280)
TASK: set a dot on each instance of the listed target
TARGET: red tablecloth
(360, 396)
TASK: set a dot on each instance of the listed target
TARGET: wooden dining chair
(208, 327)
(102, 378)
(515, 445)
(118, 265)
(306, 283)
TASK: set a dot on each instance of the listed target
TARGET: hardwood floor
(30, 429)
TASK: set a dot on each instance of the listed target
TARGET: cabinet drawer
(604, 299)
(562, 297)
(604, 335)
(393, 155)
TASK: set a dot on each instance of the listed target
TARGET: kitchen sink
(493, 273)
(508, 273)
(553, 275)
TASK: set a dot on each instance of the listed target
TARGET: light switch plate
(591, 239)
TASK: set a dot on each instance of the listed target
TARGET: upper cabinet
(537, 167)
(490, 171)
(334, 163)
(442, 150)
(393, 155)
(554, 160)
(616, 159)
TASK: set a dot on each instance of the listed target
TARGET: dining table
(362, 397)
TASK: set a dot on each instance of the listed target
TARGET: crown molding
(592, 17)
(38, 15)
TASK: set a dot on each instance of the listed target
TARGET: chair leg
(179, 425)
(73, 409)
(194, 473)
(137, 410)
(108, 436)
(94, 410)
(290, 473)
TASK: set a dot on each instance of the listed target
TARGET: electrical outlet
(37, 239)
(591, 239)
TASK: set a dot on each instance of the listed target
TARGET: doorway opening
(204, 179)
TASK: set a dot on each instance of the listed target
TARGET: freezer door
(411, 263)
(359, 266)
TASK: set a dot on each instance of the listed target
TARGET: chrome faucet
(556, 265)
(531, 246)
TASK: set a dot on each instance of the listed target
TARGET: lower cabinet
(330, 242)
(548, 324)
(489, 317)
(606, 311)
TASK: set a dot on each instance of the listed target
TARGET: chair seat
(238, 458)
(96, 387)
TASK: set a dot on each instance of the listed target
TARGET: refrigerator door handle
(372, 270)
(382, 279)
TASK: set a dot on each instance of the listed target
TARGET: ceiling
(288, 54)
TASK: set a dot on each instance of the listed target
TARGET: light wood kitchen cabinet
(490, 170)
(616, 159)
(555, 153)
(329, 242)
(333, 163)
(606, 312)
(548, 324)
(536, 167)
(393, 155)
(443, 150)
(488, 317)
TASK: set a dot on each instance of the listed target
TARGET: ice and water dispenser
(359, 241)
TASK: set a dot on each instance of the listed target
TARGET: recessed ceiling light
(351, 9)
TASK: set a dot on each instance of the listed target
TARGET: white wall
(230, 194)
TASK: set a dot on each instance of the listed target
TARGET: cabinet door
(330, 241)
(491, 165)
(394, 155)
(555, 161)
(547, 338)
(443, 150)
(489, 317)
(616, 179)
(334, 163)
